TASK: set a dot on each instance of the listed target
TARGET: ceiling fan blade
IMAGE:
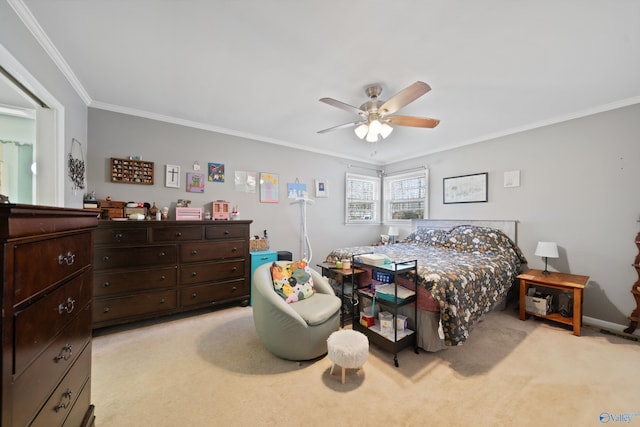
(404, 97)
(418, 122)
(343, 126)
(346, 107)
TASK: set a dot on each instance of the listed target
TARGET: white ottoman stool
(348, 349)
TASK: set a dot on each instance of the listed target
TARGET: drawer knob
(67, 307)
(106, 310)
(194, 252)
(64, 354)
(119, 236)
(234, 269)
(68, 259)
(193, 295)
(61, 404)
(161, 254)
(178, 234)
(106, 284)
(194, 274)
(105, 258)
(234, 289)
(234, 250)
(226, 232)
(162, 300)
(163, 277)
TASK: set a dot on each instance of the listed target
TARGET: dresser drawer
(213, 293)
(121, 235)
(178, 233)
(40, 264)
(226, 231)
(107, 310)
(211, 272)
(106, 284)
(193, 252)
(47, 370)
(140, 256)
(64, 397)
(36, 325)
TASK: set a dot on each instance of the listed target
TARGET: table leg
(523, 292)
(577, 311)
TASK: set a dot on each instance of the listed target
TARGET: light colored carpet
(212, 370)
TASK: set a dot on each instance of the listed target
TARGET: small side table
(562, 281)
(341, 275)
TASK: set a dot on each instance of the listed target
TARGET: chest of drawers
(46, 324)
(145, 269)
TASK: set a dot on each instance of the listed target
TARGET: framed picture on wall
(322, 188)
(269, 187)
(172, 176)
(195, 182)
(465, 188)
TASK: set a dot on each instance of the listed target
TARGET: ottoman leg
(333, 365)
(343, 375)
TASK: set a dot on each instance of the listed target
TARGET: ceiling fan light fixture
(372, 136)
(361, 130)
(375, 127)
(385, 130)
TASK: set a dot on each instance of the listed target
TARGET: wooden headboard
(508, 227)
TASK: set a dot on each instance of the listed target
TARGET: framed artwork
(245, 181)
(322, 188)
(465, 188)
(269, 187)
(295, 190)
(172, 176)
(216, 172)
(195, 182)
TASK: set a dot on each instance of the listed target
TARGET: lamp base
(545, 271)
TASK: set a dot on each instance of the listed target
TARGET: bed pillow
(292, 281)
(471, 238)
(427, 236)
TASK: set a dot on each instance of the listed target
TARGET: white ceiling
(256, 68)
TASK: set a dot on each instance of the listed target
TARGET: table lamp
(547, 250)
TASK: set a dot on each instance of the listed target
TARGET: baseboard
(609, 326)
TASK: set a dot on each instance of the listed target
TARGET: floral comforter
(467, 270)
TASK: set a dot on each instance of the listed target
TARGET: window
(362, 204)
(406, 196)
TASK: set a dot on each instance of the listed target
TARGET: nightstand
(553, 280)
(341, 275)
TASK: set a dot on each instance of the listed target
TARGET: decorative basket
(258, 245)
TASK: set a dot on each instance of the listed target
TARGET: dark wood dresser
(145, 269)
(47, 256)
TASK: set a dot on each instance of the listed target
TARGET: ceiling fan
(377, 116)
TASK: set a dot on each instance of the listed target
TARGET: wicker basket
(258, 245)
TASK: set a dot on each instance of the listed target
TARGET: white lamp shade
(547, 249)
(386, 130)
(393, 231)
(361, 130)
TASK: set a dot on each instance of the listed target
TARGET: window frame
(387, 200)
(377, 193)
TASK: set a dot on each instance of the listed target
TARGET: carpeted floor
(212, 370)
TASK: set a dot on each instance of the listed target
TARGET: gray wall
(578, 188)
(120, 135)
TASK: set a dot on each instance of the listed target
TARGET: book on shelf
(90, 205)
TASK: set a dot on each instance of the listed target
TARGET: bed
(465, 269)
